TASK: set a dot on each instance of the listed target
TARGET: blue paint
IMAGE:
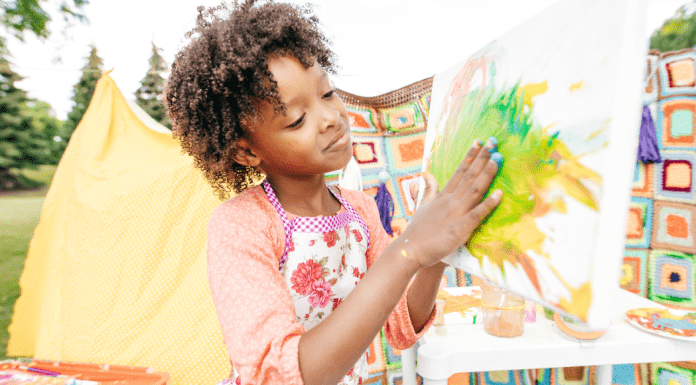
(680, 324)
(498, 158)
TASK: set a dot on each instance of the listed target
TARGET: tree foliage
(677, 32)
(83, 91)
(21, 145)
(48, 128)
(28, 130)
(149, 95)
(19, 16)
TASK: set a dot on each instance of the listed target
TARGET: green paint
(681, 123)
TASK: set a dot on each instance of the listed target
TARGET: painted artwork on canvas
(562, 95)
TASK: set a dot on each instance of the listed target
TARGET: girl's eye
(297, 122)
(329, 94)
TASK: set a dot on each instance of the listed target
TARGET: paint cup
(503, 311)
(439, 312)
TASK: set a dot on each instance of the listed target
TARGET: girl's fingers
(464, 165)
(475, 191)
(477, 166)
(481, 211)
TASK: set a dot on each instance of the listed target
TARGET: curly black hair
(220, 78)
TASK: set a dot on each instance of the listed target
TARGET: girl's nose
(331, 118)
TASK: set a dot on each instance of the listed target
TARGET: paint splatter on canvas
(561, 93)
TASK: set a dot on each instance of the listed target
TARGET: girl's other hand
(431, 187)
(446, 220)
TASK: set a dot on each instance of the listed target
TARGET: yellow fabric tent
(116, 269)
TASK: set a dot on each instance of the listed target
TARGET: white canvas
(575, 74)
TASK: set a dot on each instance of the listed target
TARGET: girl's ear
(245, 154)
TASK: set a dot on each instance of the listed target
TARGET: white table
(452, 349)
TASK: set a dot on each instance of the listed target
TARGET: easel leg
(408, 365)
(604, 374)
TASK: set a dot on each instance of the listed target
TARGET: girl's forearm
(422, 294)
(330, 349)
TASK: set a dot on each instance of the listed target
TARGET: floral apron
(324, 259)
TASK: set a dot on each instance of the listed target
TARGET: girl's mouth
(339, 142)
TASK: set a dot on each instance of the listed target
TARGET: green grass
(20, 215)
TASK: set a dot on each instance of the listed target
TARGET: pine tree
(47, 127)
(149, 95)
(21, 145)
(83, 91)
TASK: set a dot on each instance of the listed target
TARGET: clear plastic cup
(503, 311)
(439, 312)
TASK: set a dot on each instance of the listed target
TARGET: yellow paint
(576, 86)
(522, 235)
(458, 303)
(571, 166)
(594, 134)
(558, 204)
(580, 298)
(546, 129)
(669, 315)
(573, 187)
(533, 89)
(642, 312)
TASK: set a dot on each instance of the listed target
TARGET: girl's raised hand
(446, 220)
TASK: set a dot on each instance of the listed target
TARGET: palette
(671, 323)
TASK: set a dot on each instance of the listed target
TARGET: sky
(381, 45)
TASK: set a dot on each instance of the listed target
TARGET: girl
(303, 276)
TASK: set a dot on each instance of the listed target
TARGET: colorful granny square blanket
(661, 231)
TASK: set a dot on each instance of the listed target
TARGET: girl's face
(314, 136)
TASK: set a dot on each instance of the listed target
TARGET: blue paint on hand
(498, 158)
(493, 141)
